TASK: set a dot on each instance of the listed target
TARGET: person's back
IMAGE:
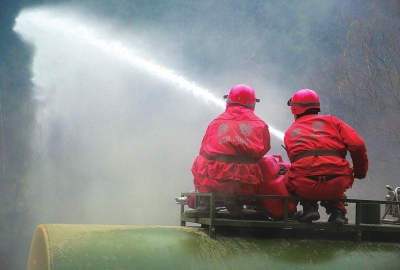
(234, 141)
(321, 132)
(317, 146)
(232, 144)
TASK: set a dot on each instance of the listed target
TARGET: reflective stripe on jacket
(236, 132)
(324, 132)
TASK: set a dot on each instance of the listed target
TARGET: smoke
(115, 134)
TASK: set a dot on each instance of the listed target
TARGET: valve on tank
(181, 200)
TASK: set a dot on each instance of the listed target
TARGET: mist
(114, 142)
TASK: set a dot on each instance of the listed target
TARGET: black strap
(233, 159)
(317, 153)
(322, 178)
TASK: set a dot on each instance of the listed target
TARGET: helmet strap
(308, 112)
(244, 105)
(290, 103)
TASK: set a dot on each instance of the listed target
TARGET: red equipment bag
(273, 169)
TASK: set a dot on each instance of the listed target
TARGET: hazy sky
(115, 140)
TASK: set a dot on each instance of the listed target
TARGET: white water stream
(115, 135)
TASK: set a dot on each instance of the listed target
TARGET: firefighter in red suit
(317, 146)
(232, 144)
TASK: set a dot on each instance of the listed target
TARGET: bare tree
(361, 84)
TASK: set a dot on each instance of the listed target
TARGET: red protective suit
(323, 132)
(237, 132)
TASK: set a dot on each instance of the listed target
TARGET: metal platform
(368, 224)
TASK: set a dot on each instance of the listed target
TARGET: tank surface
(64, 246)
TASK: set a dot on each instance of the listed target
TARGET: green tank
(64, 246)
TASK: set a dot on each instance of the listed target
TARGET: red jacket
(236, 132)
(324, 132)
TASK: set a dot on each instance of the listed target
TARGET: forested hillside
(348, 51)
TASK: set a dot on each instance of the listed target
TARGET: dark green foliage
(16, 113)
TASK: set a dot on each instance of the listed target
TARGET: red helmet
(303, 100)
(242, 94)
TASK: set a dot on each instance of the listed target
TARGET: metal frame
(392, 209)
(357, 227)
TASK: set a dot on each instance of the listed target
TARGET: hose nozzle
(181, 200)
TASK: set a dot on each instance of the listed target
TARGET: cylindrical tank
(273, 184)
(63, 246)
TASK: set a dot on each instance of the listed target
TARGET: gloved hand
(359, 176)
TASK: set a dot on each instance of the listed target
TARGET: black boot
(338, 216)
(310, 214)
(204, 205)
(232, 205)
(201, 210)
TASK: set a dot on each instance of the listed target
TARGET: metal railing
(367, 216)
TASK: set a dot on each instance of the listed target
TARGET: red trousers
(320, 190)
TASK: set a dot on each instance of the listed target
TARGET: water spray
(47, 19)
